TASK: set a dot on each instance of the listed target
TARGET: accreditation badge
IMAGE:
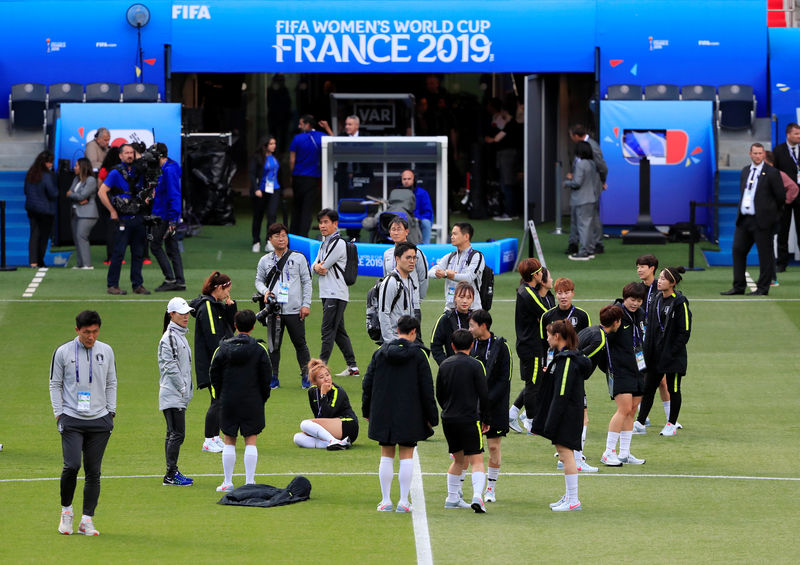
(640, 359)
(84, 402)
(283, 293)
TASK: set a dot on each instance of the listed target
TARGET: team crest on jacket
(100, 358)
(666, 310)
(574, 321)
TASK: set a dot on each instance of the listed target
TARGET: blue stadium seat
(27, 106)
(65, 92)
(624, 92)
(103, 92)
(737, 106)
(141, 92)
(662, 92)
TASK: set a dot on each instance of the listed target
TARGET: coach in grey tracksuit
(396, 294)
(463, 264)
(83, 394)
(292, 288)
(418, 277)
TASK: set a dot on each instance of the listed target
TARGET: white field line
(422, 537)
(38, 277)
(750, 283)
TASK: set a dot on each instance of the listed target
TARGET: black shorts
(246, 422)
(498, 424)
(349, 429)
(407, 444)
(629, 384)
(463, 436)
(585, 402)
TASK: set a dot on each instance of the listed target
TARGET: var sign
(375, 115)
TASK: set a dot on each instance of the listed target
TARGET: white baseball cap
(179, 305)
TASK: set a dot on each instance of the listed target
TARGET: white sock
(385, 474)
(491, 477)
(625, 443)
(572, 488)
(228, 461)
(513, 412)
(478, 482)
(462, 478)
(315, 430)
(611, 441)
(666, 408)
(303, 440)
(66, 508)
(404, 475)
(583, 438)
(250, 461)
(453, 486)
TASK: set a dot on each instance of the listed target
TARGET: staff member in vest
(83, 394)
(760, 206)
(398, 231)
(175, 386)
(670, 328)
(463, 264)
(335, 425)
(494, 353)
(396, 293)
(167, 206)
(125, 182)
(305, 162)
(330, 264)
(84, 211)
(787, 160)
(452, 320)
(288, 279)
(214, 310)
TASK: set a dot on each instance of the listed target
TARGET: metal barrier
(3, 266)
(692, 214)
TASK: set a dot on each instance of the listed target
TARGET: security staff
(167, 206)
(284, 274)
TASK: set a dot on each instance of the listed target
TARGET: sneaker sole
(640, 462)
(612, 464)
(478, 508)
(387, 508)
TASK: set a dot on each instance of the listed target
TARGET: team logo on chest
(574, 321)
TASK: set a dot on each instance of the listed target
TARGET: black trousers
(170, 261)
(297, 333)
(41, 226)
(87, 438)
(783, 231)
(747, 233)
(651, 381)
(305, 192)
(176, 432)
(212, 416)
(267, 203)
(333, 330)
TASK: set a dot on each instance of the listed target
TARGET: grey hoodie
(96, 375)
(175, 365)
(295, 272)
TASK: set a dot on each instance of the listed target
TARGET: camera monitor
(660, 146)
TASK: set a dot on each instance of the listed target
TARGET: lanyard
(658, 312)
(569, 315)
(608, 354)
(276, 260)
(77, 372)
(488, 347)
(460, 264)
(458, 318)
(647, 305)
(406, 291)
(319, 405)
(635, 329)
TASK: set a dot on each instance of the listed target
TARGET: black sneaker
(166, 286)
(598, 249)
(572, 249)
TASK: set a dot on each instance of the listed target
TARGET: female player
(265, 190)
(335, 425)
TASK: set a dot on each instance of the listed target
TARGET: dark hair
(461, 339)
(244, 320)
(131, 145)
(38, 168)
(564, 329)
(401, 248)
(214, 280)
(647, 260)
(407, 323)
(465, 227)
(545, 274)
(309, 119)
(332, 215)
(634, 290)
(167, 319)
(463, 287)
(791, 126)
(161, 149)
(583, 151)
(578, 129)
(87, 318)
(609, 315)
(673, 274)
(399, 220)
(111, 159)
(529, 267)
(276, 228)
(482, 318)
(769, 157)
(563, 284)
(761, 145)
(84, 168)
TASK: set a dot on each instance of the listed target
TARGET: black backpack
(350, 272)
(486, 282)
(373, 321)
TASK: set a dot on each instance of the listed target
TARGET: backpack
(350, 272)
(373, 321)
(486, 282)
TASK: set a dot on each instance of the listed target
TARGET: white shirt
(748, 207)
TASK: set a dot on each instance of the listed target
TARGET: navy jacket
(167, 199)
(42, 197)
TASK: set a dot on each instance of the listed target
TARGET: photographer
(166, 216)
(284, 280)
(123, 186)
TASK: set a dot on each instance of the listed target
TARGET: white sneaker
(349, 372)
(678, 425)
(513, 423)
(647, 421)
(460, 503)
(211, 446)
(669, 430)
(584, 467)
(256, 248)
(631, 460)
(65, 526)
(337, 445)
(225, 487)
(219, 441)
(559, 502)
(477, 505)
(567, 507)
(528, 424)
(87, 527)
(610, 459)
(490, 495)
(560, 465)
(639, 429)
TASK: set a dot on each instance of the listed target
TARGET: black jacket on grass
(214, 323)
(529, 309)
(623, 342)
(560, 414)
(397, 396)
(578, 317)
(335, 404)
(498, 366)
(668, 332)
(461, 390)
(447, 323)
(593, 342)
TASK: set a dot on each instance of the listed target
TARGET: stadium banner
(127, 123)
(500, 255)
(784, 44)
(678, 139)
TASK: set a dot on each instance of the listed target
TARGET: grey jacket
(419, 276)
(585, 183)
(81, 191)
(96, 375)
(175, 365)
(471, 272)
(333, 256)
(405, 304)
(295, 272)
(597, 156)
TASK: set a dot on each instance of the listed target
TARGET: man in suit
(787, 159)
(760, 204)
(578, 133)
